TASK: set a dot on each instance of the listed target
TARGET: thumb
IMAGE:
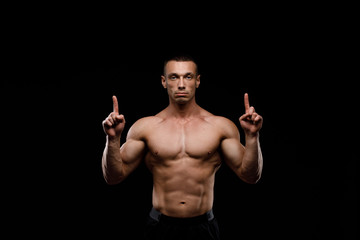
(120, 118)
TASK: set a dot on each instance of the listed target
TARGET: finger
(115, 104)
(257, 119)
(120, 118)
(245, 116)
(251, 110)
(111, 119)
(253, 116)
(246, 102)
(114, 118)
(107, 123)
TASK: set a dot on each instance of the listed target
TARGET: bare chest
(174, 141)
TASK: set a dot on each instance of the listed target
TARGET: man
(183, 146)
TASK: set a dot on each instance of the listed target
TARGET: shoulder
(144, 121)
(224, 125)
(141, 126)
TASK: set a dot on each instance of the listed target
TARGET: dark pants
(162, 227)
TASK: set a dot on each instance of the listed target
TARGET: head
(180, 78)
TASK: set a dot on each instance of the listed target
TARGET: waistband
(158, 216)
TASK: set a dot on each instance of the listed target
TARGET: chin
(181, 100)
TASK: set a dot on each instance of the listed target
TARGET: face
(181, 81)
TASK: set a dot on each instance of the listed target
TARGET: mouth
(181, 94)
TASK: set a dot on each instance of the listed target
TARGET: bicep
(232, 152)
(132, 152)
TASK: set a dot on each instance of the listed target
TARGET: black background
(295, 66)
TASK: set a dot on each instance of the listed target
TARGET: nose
(181, 84)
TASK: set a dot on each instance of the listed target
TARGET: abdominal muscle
(184, 187)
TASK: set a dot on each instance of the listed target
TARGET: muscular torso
(183, 156)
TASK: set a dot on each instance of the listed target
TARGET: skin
(183, 146)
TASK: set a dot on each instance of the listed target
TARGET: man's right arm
(118, 162)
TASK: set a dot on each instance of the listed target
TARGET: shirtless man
(183, 146)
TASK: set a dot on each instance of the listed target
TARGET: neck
(183, 110)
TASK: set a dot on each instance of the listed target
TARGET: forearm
(252, 163)
(112, 165)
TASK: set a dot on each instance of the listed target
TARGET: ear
(197, 81)
(163, 81)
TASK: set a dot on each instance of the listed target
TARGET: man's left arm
(246, 162)
(252, 162)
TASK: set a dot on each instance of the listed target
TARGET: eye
(172, 77)
(189, 76)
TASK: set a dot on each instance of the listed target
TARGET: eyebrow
(176, 74)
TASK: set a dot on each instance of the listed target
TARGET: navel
(182, 203)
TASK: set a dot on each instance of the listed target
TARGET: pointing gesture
(114, 124)
(251, 122)
(246, 103)
(115, 105)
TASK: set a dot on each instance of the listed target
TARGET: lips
(181, 93)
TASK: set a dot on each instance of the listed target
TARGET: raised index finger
(246, 103)
(115, 104)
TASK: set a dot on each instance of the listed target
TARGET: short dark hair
(182, 57)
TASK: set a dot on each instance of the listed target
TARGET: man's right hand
(114, 124)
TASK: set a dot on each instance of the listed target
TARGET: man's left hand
(251, 122)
